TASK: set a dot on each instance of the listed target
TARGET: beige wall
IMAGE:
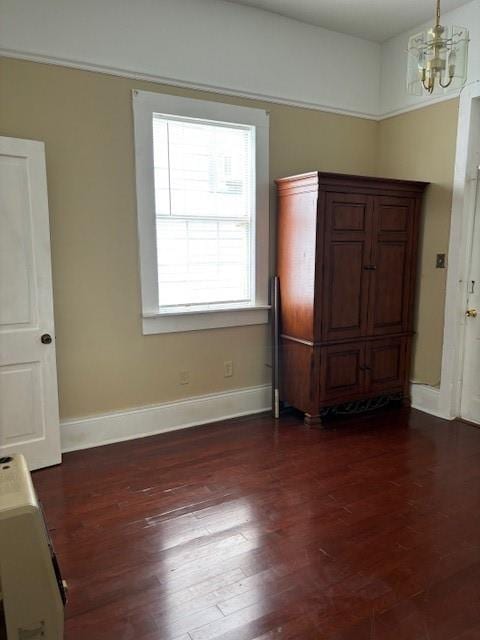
(85, 119)
(421, 145)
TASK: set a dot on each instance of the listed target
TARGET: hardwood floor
(249, 530)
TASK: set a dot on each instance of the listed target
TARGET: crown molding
(218, 90)
(185, 84)
(420, 105)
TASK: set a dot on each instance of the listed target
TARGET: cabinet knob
(46, 338)
(471, 313)
(370, 267)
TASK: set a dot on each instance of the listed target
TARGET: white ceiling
(375, 20)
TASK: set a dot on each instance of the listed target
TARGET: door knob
(46, 338)
(471, 313)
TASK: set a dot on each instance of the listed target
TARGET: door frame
(467, 159)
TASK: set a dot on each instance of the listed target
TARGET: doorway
(470, 394)
(459, 394)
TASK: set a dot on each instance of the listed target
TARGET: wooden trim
(322, 343)
(297, 184)
(358, 396)
(370, 182)
(343, 182)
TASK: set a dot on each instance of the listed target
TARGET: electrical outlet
(227, 369)
(184, 377)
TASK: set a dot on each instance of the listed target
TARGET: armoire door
(342, 371)
(347, 249)
(385, 364)
(391, 276)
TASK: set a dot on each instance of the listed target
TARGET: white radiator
(33, 593)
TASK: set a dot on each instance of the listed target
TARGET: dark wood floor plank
(253, 529)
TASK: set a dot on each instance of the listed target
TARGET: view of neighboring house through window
(204, 174)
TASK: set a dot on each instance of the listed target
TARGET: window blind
(205, 207)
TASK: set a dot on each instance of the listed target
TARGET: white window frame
(155, 320)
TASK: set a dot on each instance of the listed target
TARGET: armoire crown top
(313, 180)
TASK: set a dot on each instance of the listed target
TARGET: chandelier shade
(437, 59)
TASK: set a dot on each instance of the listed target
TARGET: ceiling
(375, 20)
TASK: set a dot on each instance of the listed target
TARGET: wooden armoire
(346, 261)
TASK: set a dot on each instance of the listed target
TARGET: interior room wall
(420, 145)
(85, 119)
(229, 47)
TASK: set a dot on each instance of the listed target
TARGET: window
(204, 205)
(202, 197)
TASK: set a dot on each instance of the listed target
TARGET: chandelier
(437, 59)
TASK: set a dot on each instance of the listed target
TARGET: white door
(470, 407)
(28, 378)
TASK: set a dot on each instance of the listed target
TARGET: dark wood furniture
(346, 264)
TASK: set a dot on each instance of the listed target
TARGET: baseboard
(426, 398)
(98, 430)
(94, 431)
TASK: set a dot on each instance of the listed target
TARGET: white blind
(204, 202)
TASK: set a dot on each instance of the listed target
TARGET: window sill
(177, 321)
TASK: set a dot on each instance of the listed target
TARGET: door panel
(348, 216)
(29, 421)
(470, 395)
(385, 364)
(389, 310)
(21, 419)
(393, 214)
(389, 278)
(342, 371)
(346, 274)
(347, 250)
(470, 407)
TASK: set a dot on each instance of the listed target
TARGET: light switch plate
(440, 261)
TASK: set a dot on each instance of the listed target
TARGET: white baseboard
(98, 430)
(94, 431)
(426, 398)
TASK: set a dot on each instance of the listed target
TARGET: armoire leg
(312, 421)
